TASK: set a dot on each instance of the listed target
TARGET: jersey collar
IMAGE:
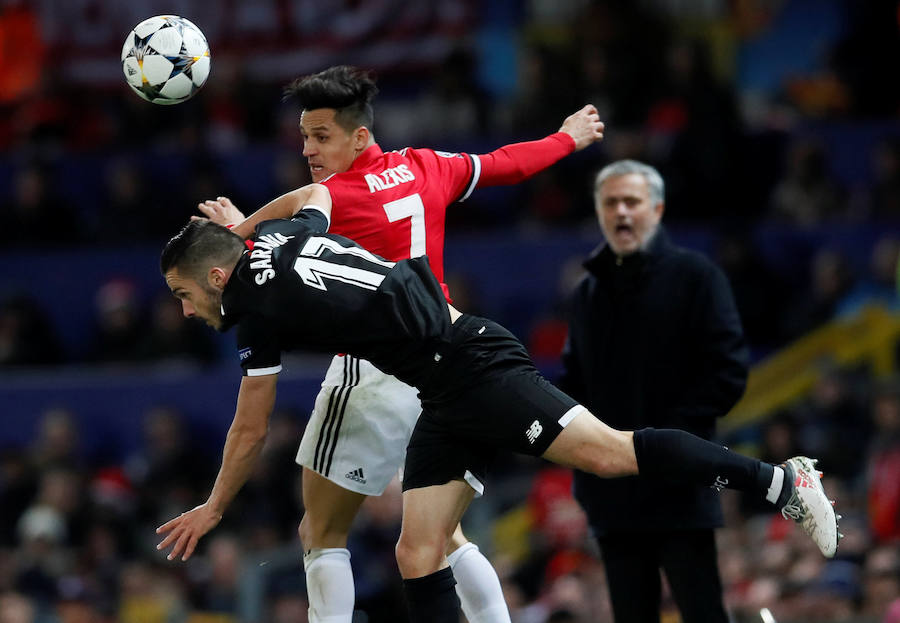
(231, 296)
(369, 155)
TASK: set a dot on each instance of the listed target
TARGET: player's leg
(352, 447)
(330, 511)
(795, 487)
(477, 584)
(691, 564)
(430, 515)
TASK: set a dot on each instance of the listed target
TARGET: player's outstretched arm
(286, 206)
(516, 162)
(243, 444)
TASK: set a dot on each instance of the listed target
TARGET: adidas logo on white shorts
(357, 475)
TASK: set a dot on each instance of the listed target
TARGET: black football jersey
(302, 288)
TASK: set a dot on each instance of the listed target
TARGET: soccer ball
(165, 59)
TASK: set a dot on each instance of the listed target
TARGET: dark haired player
(393, 204)
(300, 287)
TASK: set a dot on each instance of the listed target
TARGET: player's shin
(679, 456)
(432, 599)
(794, 487)
(478, 586)
(329, 585)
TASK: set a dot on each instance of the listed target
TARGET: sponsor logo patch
(357, 475)
(534, 431)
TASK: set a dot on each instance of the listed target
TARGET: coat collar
(603, 258)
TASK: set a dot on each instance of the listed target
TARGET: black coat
(654, 340)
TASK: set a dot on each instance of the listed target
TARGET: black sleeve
(571, 379)
(258, 348)
(722, 376)
(306, 221)
(314, 219)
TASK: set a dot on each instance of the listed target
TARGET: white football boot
(809, 506)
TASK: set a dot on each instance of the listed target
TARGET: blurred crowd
(77, 531)
(810, 153)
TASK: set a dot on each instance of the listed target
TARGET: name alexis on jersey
(261, 255)
(389, 178)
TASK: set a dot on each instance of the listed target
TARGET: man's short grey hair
(655, 182)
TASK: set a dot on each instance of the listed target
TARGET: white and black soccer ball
(165, 59)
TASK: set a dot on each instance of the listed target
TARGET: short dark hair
(349, 90)
(199, 246)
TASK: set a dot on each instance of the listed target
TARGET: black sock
(680, 456)
(432, 598)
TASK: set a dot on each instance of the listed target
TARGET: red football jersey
(394, 203)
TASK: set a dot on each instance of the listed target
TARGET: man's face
(327, 147)
(197, 301)
(627, 215)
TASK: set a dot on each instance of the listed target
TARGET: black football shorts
(499, 401)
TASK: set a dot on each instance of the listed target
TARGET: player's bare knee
(416, 558)
(316, 531)
(407, 555)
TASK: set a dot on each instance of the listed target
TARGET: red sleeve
(516, 162)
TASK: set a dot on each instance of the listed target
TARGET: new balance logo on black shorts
(534, 431)
(357, 475)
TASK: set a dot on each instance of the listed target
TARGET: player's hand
(186, 529)
(221, 211)
(584, 127)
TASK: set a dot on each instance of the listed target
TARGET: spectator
(27, 337)
(879, 286)
(36, 215)
(884, 193)
(758, 290)
(218, 586)
(16, 608)
(17, 488)
(168, 469)
(829, 281)
(884, 465)
(654, 341)
(58, 441)
(881, 580)
(170, 336)
(454, 107)
(119, 330)
(807, 194)
(831, 422)
(696, 117)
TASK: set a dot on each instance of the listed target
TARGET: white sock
(329, 585)
(478, 586)
(777, 484)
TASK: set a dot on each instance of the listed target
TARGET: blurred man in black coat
(654, 340)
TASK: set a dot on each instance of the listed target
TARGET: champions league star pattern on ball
(165, 59)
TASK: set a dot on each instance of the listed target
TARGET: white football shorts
(359, 427)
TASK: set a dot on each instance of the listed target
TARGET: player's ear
(361, 138)
(217, 278)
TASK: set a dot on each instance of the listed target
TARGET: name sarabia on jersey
(262, 255)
